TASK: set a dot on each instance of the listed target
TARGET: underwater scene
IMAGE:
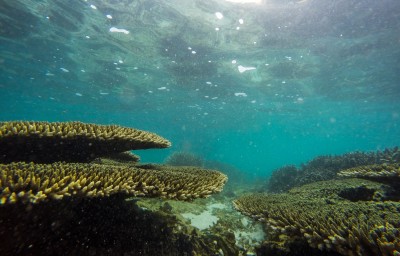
(200, 127)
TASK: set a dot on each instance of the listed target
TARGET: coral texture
(124, 158)
(29, 182)
(326, 168)
(43, 142)
(318, 214)
(382, 172)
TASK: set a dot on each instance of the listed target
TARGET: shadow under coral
(92, 226)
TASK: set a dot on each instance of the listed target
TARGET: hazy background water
(323, 79)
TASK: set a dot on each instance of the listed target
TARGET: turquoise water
(322, 77)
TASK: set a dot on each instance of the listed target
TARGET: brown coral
(328, 222)
(44, 142)
(29, 182)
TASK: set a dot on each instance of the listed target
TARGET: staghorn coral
(318, 215)
(44, 142)
(29, 182)
(382, 172)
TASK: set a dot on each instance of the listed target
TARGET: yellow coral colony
(45, 145)
(349, 228)
(43, 142)
(29, 182)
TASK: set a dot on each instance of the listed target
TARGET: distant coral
(389, 155)
(388, 173)
(283, 179)
(326, 168)
(235, 175)
(182, 158)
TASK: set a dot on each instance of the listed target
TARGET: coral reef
(182, 158)
(29, 182)
(43, 142)
(326, 168)
(79, 208)
(322, 216)
(101, 226)
(389, 173)
(283, 179)
(389, 155)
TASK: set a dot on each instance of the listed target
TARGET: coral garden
(332, 205)
(56, 200)
(63, 190)
(338, 217)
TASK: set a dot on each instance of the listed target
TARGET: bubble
(240, 94)
(219, 15)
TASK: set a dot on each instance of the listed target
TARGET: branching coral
(44, 142)
(29, 182)
(382, 172)
(389, 155)
(327, 222)
(327, 167)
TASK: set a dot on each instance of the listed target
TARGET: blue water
(324, 78)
